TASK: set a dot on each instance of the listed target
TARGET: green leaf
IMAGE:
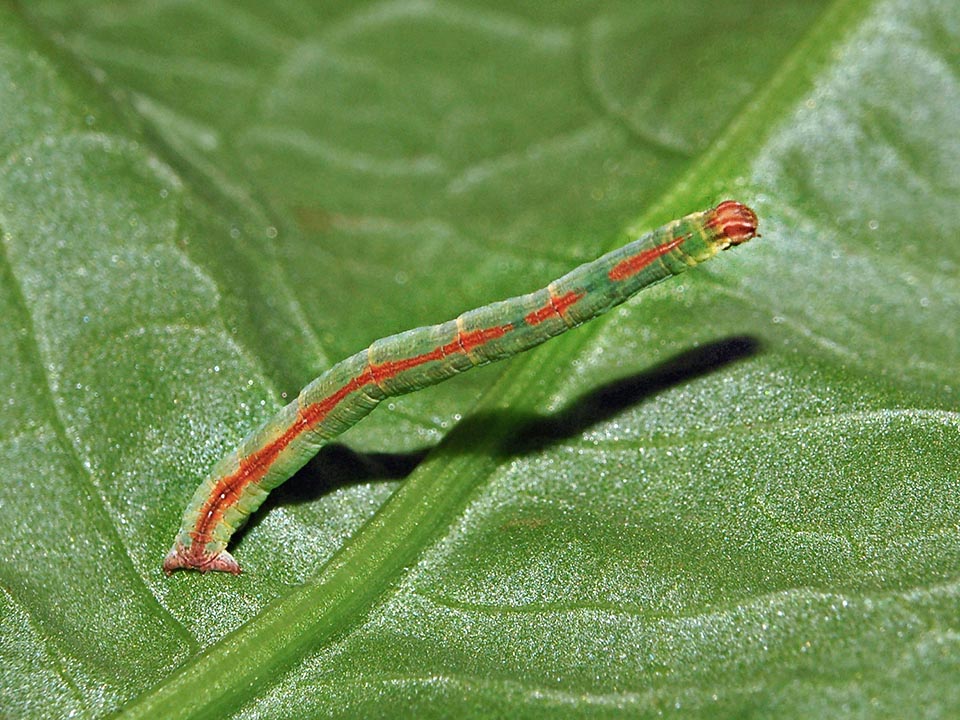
(735, 496)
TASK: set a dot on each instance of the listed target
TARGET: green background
(736, 496)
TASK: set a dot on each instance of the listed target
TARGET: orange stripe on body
(556, 306)
(632, 265)
(252, 468)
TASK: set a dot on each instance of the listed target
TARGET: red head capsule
(735, 221)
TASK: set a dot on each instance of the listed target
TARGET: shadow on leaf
(337, 466)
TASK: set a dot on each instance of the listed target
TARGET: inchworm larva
(399, 364)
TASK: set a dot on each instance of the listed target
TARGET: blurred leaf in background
(735, 496)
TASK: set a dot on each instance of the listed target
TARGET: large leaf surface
(735, 496)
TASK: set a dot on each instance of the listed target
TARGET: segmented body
(399, 364)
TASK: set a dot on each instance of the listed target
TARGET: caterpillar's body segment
(402, 363)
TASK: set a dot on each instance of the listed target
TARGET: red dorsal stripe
(556, 306)
(464, 342)
(254, 466)
(632, 265)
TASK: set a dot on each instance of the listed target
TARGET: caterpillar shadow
(337, 466)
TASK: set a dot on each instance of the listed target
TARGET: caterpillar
(343, 395)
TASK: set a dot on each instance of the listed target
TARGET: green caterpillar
(399, 364)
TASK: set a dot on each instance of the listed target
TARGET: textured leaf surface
(735, 496)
